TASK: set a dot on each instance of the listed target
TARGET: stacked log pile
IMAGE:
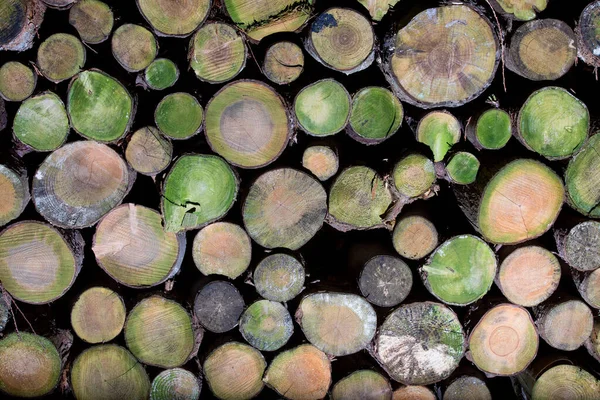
(299, 199)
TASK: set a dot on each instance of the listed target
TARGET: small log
(588, 285)
(133, 249)
(234, 371)
(566, 382)
(467, 388)
(491, 130)
(217, 53)
(93, 20)
(362, 384)
(161, 74)
(385, 281)
(449, 272)
(504, 341)
(342, 39)
(414, 176)
(420, 343)
(22, 21)
(134, 47)
(322, 108)
(41, 123)
(529, 275)
(14, 191)
(542, 50)
(17, 81)
(553, 123)
(279, 277)
(177, 19)
(148, 152)
(564, 325)
(60, 57)
(588, 39)
(413, 393)
(378, 8)
(108, 371)
(287, 373)
(284, 208)
(462, 168)
(581, 180)
(321, 161)
(30, 365)
(427, 64)
(520, 202)
(337, 323)
(179, 116)
(283, 63)
(247, 123)
(222, 248)
(38, 264)
(521, 10)
(199, 189)
(159, 332)
(93, 180)
(176, 384)
(358, 199)
(258, 19)
(266, 325)
(99, 106)
(439, 130)
(98, 315)
(221, 296)
(414, 237)
(580, 246)
(376, 115)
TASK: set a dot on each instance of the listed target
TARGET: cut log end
(504, 341)
(566, 382)
(414, 175)
(148, 152)
(439, 130)
(174, 19)
(582, 183)
(175, 384)
(414, 237)
(222, 296)
(362, 384)
(588, 39)
(161, 74)
(522, 10)
(93, 20)
(98, 316)
(413, 393)
(462, 168)
(321, 161)
(467, 388)
(60, 57)
(493, 129)
(565, 326)
(375, 116)
(582, 246)
(279, 277)
(266, 325)
(283, 63)
(14, 194)
(179, 116)
(21, 21)
(322, 108)
(385, 281)
(134, 47)
(378, 8)
(17, 81)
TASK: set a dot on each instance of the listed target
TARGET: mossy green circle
(376, 113)
(179, 116)
(41, 122)
(493, 129)
(323, 108)
(162, 73)
(463, 168)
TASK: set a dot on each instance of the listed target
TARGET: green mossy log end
(30, 365)
(93, 20)
(337, 323)
(99, 106)
(342, 39)
(461, 270)
(385, 281)
(414, 176)
(38, 264)
(17, 81)
(462, 168)
(435, 62)
(178, 19)
(553, 123)
(504, 341)
(582, 180)
(566, 381)
(439, 130)
(235, 371)
(109, 371)
(161, 74)
(179, 116)
(266, 325)
(521, 10)
(376, 115)
(362, 384)
(322, 108)
(284, 208)
(217, 53)
(175, 384)
(420, 343)
(287, 373)
(131, 246)
(14, 193)
(491, 130)
(98, 315)
(198, 190)
(222, 248)
(279, 277)
(41, 123)
(159, 332)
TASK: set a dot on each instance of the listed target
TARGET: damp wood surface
(299, 199)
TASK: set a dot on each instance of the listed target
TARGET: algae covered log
(179, 116)
(198, 190)
(93, 20)
(362, 384)
(504, 341)
(385, 281)
(566, 382)
(30, 365)
(414, 176)
(234, 371)
(98, 315)
(283, 63)
(221, 296)
(279, 277)
(109, 371)
(21, 20)
(375, 115)
(337, 323)
(266, 325)
(175, 384)
(161, 74)
(462, 168)
(439, 130)
(17, 81)
(414, 237)
(322, 161)
(436, 62)
(38, 264)
(131, 246)
(159, 332)
(490, 130)
(322, 108)
(420, 343)
(565, 325)
(287, 373)
(582, 181)
(148, 152)
(177, 19)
